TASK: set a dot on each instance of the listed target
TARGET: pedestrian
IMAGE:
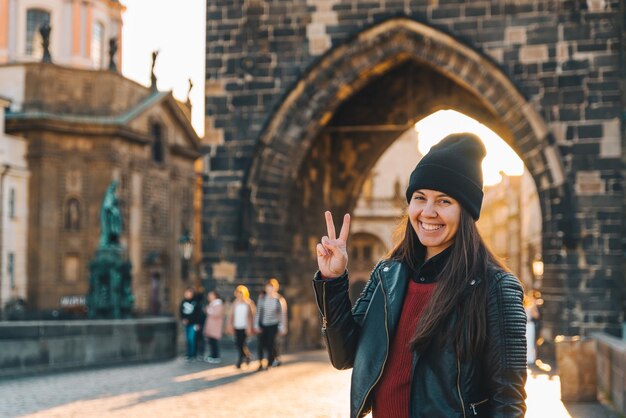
(213, 326)
(439, 329)
(255, 330)
(239, 322)
(200, 345)
(271, 320)
(190, 316)
(532, 316)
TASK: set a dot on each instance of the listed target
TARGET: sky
(177, 30)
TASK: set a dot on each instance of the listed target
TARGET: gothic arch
(347, 68)
(275, 201)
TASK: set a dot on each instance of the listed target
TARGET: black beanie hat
(453, 166)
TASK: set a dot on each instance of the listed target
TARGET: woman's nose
(429, 210)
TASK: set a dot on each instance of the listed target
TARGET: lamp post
(185, 246)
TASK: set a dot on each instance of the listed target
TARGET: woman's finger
(345, 228)
(330, 226)
(321, 251)
(329, 244)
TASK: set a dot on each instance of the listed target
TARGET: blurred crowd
(206, 320)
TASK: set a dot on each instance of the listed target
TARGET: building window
(34, 19)
(97, 48)
(72, 214)
(12, 203)
(72, 268)
(157, 143)
(11, 269)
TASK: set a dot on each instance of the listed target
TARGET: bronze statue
(44, 31)
(110, 218)
(110, 290)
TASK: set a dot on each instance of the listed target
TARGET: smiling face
(435, 218)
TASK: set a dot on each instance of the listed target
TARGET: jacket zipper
(475, 404)
(324, 321)
(458, 385)
(380, 280)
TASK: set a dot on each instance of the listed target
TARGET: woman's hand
(332, 254)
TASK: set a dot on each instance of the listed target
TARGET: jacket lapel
(395, 278)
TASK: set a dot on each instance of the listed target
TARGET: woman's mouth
(431, 227)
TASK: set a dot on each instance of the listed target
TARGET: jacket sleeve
(340, 324)
(505, 354)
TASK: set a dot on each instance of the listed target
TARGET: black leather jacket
(442, 385)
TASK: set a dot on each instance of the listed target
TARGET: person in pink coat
(213, 325)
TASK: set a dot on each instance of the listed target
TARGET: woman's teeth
(431, 227)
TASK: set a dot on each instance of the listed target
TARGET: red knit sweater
(392, 393)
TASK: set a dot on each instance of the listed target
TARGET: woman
(271, 320)
(213, 325)
(438, 330)
(239, 322)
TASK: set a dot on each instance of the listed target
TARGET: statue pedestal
(110, 292)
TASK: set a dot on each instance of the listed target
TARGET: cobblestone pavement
(305, 386)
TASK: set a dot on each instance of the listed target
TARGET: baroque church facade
(85, 125)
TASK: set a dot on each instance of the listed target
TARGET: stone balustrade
(40, 346)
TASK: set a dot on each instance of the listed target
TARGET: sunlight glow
(500, 156)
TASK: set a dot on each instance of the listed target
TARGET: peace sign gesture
(332, 255)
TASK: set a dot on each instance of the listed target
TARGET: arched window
(157, 142)
(97, 45)
(72, 214)
(34, 19)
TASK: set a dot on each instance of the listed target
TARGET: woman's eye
(445, 201)
(418, 197)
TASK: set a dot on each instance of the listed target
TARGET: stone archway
(310, 126)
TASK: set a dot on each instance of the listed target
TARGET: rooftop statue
(44, 31)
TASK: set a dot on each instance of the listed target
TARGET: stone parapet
(611, 363)
(41, 346)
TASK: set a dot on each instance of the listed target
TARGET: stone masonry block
(610, 144)
(515, 35)
(319, 44)
(589, 183)
(562, 52)
(328, 18)
(533, 54)
(315, 29)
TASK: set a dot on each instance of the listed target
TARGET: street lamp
(538, 271)
(185, 246)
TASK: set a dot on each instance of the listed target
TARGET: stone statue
(112, 52)
(189, 91)
(110, 218)
(110, 282)
(153, 79)
(44, 31)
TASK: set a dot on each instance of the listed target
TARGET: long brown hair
(469, 260)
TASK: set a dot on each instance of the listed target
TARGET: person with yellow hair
(239, 322)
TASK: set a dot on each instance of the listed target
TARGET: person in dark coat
(439, 329)
(190, 310)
